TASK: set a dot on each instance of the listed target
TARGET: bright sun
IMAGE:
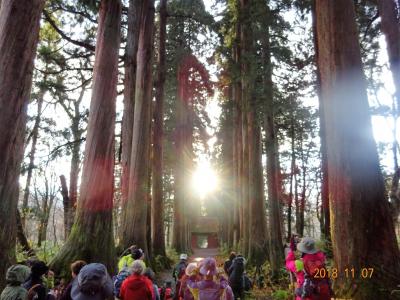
(204, 180)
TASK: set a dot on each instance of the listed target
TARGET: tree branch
(64, 36)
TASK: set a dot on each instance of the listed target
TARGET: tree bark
(272, 156)
(31, 155)
(157, 218)
(23, 241)
(325, 212)
(134, 223)
(247, 80)
(184, 156)
(292, 176)
(134, 13)
(391, 28)
(91, 238)
(238, 153)
(66, 204)
(17, 52)
(362, 230)
(257, 211)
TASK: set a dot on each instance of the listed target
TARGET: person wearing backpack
(236, 277)
(308, 286)
(191, 273)
(15, 276)
(35, 282)
(210, 289)
(75, 269)
(137, 286)
(127, 260)
(149, 273)
(178, 273)
(166, 292)
(92, 283)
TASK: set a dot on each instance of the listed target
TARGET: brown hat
(307, 245)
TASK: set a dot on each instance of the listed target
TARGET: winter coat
(15, 276)
(125, 262)
(211, 290)
(40, 290)
(179, 270)
(137, 287)
(236, 271)
(186, 293)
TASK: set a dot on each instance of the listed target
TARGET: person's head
(209, 268)
(149, 274)
(138, 267)
(168, 284)
(307, 246)
(183, 257)
(232, 256)
(137, 254)
(132, 248)
(17, 274)
(191, 269)
(38, 269)
(76, 267)
(91, 280)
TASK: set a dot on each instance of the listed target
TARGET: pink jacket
(291, 266)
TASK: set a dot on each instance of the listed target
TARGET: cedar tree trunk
(91, 237)
(362, 230)
(157, 209)
(134, 222)
(17, 52)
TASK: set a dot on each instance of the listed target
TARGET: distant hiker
(236, 277)
(15, 276)
(166, 292)
(191, 273)
(137, 286)
(92, 283)
(208, 288)
(228, 262)
(308, 287)
(127, 260)
(75, 269)
(35, 280)
(151, 276)
(178, 273)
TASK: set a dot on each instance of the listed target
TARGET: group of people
(203, 280)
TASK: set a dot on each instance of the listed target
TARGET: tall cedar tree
(157, 207)
(91, 238)
(363, 234)
(271, 148)
(134, 12)
(247, 76)
(325, 212)
(17, 53)
(134, 222)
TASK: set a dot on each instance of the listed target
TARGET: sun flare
(204, 179)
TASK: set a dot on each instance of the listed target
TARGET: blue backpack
(119, 279)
